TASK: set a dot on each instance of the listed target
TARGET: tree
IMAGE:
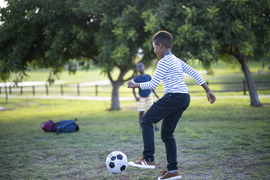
(45, 34)
(48, 34)
(120, 37)
(210, 30)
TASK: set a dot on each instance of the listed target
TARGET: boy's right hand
(130, 84)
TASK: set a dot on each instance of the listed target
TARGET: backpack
(60, 126)
(66, 126)
(49, 126)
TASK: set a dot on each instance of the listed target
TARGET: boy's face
(157, 50)
(140, 67)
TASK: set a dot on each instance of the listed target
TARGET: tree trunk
(254, 98)
(6, 91)
(115, 103)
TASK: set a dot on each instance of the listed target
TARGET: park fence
(106, 89)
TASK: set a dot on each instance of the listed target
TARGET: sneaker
(142, 163)
(169, 176)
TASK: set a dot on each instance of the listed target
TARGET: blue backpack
(66, 126)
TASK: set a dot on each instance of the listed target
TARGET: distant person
(145, 98)
(170, 107)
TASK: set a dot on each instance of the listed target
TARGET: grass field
(222, 73)
(226, 140)
(220, 68)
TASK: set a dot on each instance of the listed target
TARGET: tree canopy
(212, 30)
(48, 34)
(45, 34)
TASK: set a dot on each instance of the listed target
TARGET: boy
(145, 99)
(170, 107)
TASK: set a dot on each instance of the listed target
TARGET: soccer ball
(117, 162)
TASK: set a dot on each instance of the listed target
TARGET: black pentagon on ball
(112, 165)
(119, 156)
(123, 168)
(113, 158)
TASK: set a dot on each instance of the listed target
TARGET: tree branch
(230, 52)
(131, 77)
(110, 77)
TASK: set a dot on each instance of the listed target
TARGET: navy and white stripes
(170, 71)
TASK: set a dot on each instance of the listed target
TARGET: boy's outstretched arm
(132, 84)
(210, 95)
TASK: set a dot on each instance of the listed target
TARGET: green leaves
(47, 32)
(125, 24)
(190, 12)
(212, 12)
(50, 33)
(120, 53)
(151, 21)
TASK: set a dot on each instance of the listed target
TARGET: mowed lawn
(225, 140)
(227, 79)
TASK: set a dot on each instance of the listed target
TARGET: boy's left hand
(211, 97)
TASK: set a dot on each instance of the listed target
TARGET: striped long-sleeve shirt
(170, 71)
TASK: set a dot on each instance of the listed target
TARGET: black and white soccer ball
(116, 162)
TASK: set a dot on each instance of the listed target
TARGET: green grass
(94, 74)
(226, 140)
(220, 68)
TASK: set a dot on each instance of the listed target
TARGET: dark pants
(169, 108)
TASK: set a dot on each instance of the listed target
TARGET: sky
(2, 3)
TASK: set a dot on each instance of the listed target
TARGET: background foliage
(52, 34)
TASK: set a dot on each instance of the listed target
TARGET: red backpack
(49, 126)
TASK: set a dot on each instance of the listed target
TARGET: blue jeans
(169, 108)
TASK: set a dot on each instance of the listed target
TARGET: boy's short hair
(163, 37)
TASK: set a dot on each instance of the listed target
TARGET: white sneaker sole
(172, 178)
(142, 166)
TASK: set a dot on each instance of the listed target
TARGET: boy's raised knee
(165, 136)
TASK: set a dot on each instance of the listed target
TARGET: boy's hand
(211, 97)
(131, 84)
(137, 99)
